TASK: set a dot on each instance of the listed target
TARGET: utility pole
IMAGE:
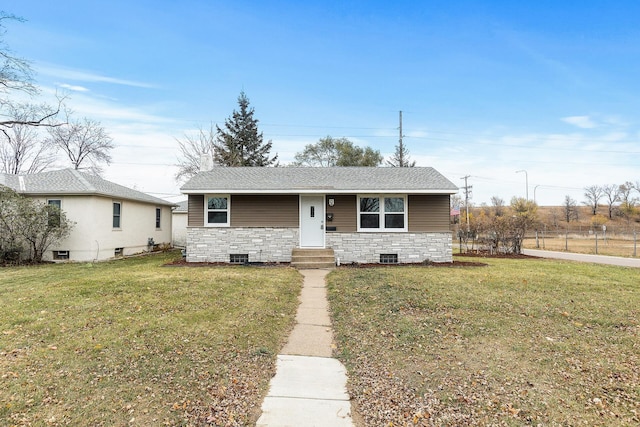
(467, 194)
(401, 150)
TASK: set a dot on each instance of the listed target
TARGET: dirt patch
(453, 264)
(184, 263)
(486, 254)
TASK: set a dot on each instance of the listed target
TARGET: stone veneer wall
(410, 247)
(214, 244)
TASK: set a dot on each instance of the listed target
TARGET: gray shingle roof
(320, 180)
(182, 207)
(73, 182)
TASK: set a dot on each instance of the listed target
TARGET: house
(179, 224)
(362, 214)
(110, 220)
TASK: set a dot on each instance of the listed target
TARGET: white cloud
(73, 88)
(85, 76)
(583, 122)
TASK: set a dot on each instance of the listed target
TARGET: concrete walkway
(597, 259)
(309, 388)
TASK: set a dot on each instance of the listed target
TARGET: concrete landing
(309, 388)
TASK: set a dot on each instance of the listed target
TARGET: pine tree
(239, 143)
(400, 158)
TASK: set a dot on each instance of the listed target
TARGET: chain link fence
(606, 240)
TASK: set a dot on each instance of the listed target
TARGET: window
(118, 252)
(217, 211)
(239, 258)
(379, 213)
(158, 210)
(53, 213)
(388, 258)
(117, 212)
(60, 255)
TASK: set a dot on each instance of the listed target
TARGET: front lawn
(518, 342)
(132, 342)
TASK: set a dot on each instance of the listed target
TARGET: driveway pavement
(597, 259)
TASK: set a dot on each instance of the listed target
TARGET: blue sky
(486, 88)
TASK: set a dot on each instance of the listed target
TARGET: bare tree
(612, 195)
(15, 72)
(192, 148)
(593, 194)
(22, 147)
(570, 209)
(85, 142)
(626, 193)
(498, 205)
(16, 75)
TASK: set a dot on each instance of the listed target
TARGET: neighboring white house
(179, 224)
(110, 220)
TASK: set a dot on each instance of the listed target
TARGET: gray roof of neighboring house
(181, 207)
(423, 180)
(73, 182)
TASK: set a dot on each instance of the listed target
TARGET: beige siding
(428, 213)
(265, 211)
(344, 212)
(196, 210)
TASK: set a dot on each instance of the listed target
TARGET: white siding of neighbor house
(93, 236)
(179, 228)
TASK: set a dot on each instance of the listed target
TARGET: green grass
(133, 342)
(517, 342)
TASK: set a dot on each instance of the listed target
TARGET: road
(597, 259)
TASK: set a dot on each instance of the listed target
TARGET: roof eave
(94, 193)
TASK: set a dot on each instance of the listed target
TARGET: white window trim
(382, 213)
(206, 210)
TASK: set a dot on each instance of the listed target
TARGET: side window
(158, 211)
(117, 214)
(53, 214)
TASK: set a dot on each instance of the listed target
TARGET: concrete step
(311, 252)
(312, 258)
(312, 265)
(307, 258)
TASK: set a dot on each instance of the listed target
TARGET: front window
(217, 211)
(380, 213)
(117, 213)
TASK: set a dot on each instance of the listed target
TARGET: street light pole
(534, 193)
(526, 178)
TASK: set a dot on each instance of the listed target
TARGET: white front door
(312, 221)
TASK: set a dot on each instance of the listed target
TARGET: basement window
(60, 255)
(118, 252)
(388, 258)
(239, 258)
